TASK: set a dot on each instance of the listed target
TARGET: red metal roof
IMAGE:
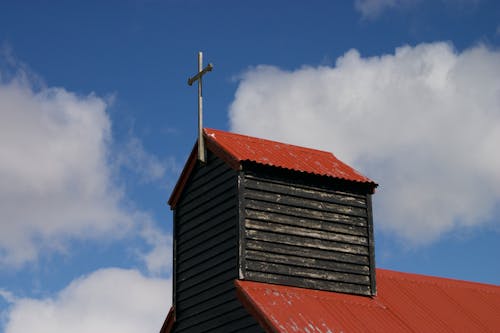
(236, 148)
(405, 303)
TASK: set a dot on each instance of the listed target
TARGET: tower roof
(236, 149)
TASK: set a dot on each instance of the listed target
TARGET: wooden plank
(240, 322)
(214, 251)
(305, 242)
(246, 324)
(194, 197)
(218, 212)
(189, 240)
(190, 282)
(203, 226)
(286, 200)
(212, 318)
(311, 273)
(303, 184)
(251, 326)
(304, 232)
(205, 306)
(225, 288)
(371, 238)
(309, 223)
(303, 261)
(305, 213)
(228, 322)
(309, 283)
(191, 271)
(306, 252)
(201, 172)
(241, 225)
(228, 235)
(211, 287)
(207, 199)
(313, 193)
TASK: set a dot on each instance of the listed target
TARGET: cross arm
(208, 68)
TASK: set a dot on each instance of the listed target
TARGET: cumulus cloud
(58, 174)
(54, 178)
(424, 122)
(158, 259)
(108, 300)
(148, 166)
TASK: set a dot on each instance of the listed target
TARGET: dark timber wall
(313, 233)
(206, 253)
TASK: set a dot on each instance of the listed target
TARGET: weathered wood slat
(228, 235)
(216, 213)
(215, 251)
(207, 305)
(309, 223)
(246, 324)
(185, 244)
(308, 283)
(202, 226)
(306, 252)
(299, 191)
(210, 288)
(191, 197)
(209, 264)
(287, 200)
(291, 201)
(226, 288)
(251, 327)
(239, 324)
(191, 281)
(219, 194)
(207, 319)
(219, 323)
(301, 261)
(201, 172)
(299, 183)
(305, 242)
(206, 228)
(304, 232)
(325, 275)
(305, 213)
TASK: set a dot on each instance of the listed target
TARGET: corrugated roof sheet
(405, 303)
(236, 148)
(282, 155)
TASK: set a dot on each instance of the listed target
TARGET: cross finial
(201, 71)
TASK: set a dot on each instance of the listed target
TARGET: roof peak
(234, 149)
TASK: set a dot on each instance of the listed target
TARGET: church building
(272, 237)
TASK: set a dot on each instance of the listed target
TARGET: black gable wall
(306, 231)
(206, 253)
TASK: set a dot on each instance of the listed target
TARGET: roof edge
(168, 324)
(253, 309)
(216, 149)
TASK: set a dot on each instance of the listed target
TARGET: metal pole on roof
(202, 155)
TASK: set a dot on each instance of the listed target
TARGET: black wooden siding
(305, 235)
(206, 253)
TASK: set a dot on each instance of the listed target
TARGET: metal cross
(201, 144)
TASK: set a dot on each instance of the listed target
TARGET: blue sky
(97, 121)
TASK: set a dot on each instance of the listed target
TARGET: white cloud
(148, 166)
(54, 176)
(158, 259)
(424, 122)
(58, 173)
(108, 300)
(373, 8)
